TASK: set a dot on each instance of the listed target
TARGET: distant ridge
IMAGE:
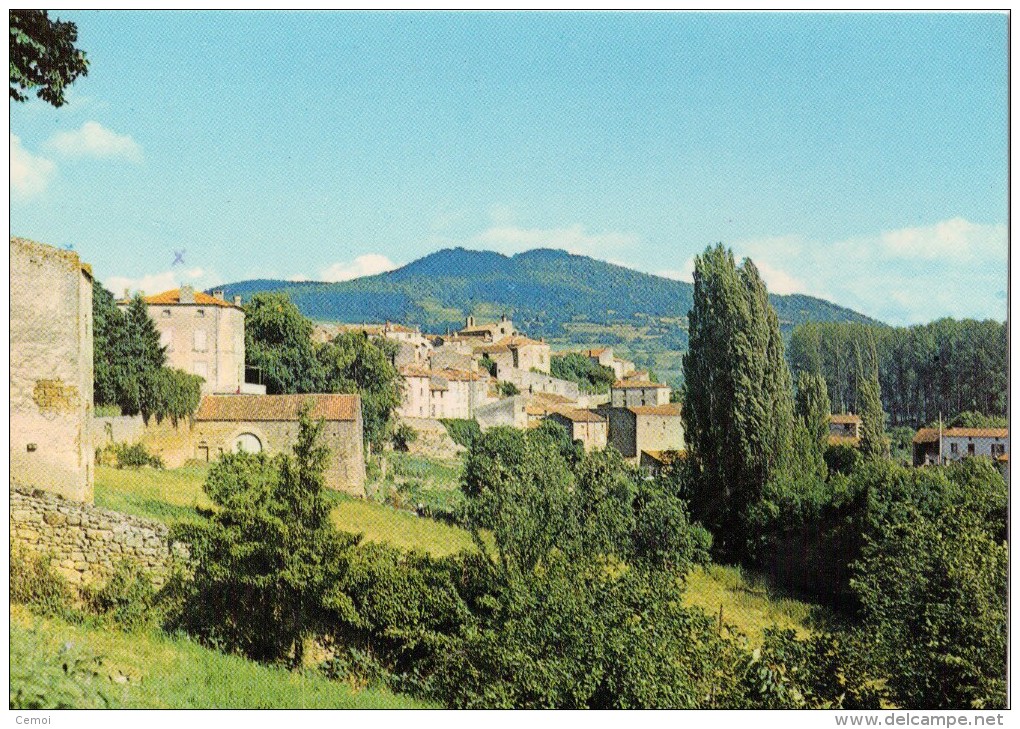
(548, 292)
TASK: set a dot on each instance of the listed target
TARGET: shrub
(43, 679)
(127, 598)
(135, 456)
(508, 389)
(463, 432)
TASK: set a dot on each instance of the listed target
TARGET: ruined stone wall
(126, 429)
(87, 542)
(51, 370)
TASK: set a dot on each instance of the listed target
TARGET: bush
(508, 389)
(35, 583)
(463, 432)
(43, 679)
(134, 456)
(127, 598)
(403, 436)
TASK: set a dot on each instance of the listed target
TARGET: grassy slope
(748, 604)
(175, 673)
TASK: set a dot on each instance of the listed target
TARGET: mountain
(569, 299)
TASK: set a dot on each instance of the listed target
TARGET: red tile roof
(277, 407)
(847, 419)
(931, 435)
(519, 340)
(173, 297)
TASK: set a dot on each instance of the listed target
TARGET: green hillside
(570, 300)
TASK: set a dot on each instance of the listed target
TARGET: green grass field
(151, 670)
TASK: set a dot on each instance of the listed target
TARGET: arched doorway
(248, 443)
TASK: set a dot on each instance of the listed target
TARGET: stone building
(604, 356)
(510, 412)
(203, 335)
(488, 332)
(586, 426)
(955, 444)
(637, 393)
(255, 423)
(50, 371)
(535, 382)
(645, 428)
(443, 393)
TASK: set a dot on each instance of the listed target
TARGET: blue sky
(858, 157)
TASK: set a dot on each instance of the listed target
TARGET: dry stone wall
(87, 542)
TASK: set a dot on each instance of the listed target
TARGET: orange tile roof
(550, 398)
(637, 385)
(595, 352)
(672, 408)
(931, 435)
(847, 419)
(277, 407)
(415, 371)
(490, 348)
(460, 375)
(173, 297)
(1002, 458)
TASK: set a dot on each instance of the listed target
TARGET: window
(200, 313)
(954, 448)
(998, 449)
(166, 313)
(970, 449)
(199, 340)
(248, 443)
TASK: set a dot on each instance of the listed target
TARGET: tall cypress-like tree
(737, 400)
(869, 401)
(811, 410)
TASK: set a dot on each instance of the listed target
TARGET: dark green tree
(278, 341)
(44, 58)
(869, 402)
(811, 431)
(353, 363)
(268, 558)
(737, 396)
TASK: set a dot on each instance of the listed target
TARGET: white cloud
(686, 273)
(95, 141)
(30, 174)
(913, 274)
(366, 265)
(154, 283)
(574, 239)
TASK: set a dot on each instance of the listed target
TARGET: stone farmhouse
(488, 332)
(636, 393)
(636, 429)
(269, 423)
(516, 352)
(953, 444)
(50, 371)
(203, 335)
(845, 429)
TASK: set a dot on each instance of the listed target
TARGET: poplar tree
(869, 402)
(738, 411)
(813, 407)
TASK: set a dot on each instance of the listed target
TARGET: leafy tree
(43, 56)
(268, 557)
(508, 389)
(518, 486)
(168, 393)
(353, 363)
(971, 419)
(487, 364)
(934, 592)
(873, 440)
(278, 341)
(737, 393)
